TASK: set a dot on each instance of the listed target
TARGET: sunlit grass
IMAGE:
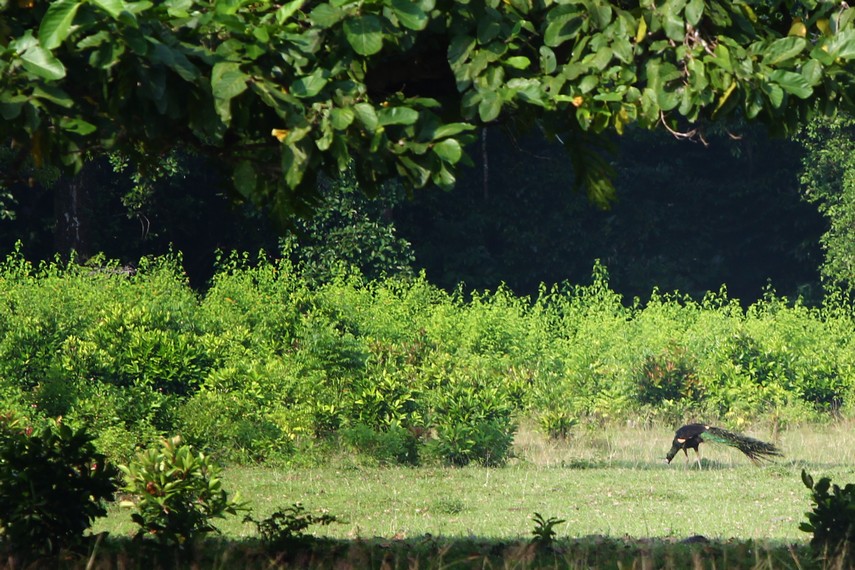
(603, 481)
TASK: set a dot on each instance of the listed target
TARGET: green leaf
(53, 94)
(366, 115)
(310, 85)
(112, 7)
(548, 62)
(227, 82)
(694, 11)
(286, 11)
(562, 29)
(451, 129)
(326, 15)
(77, 126)
(364, 34)
(783, 49)
(174, 59)
(792, 82)
(39, 61)
(341, 118)
(245, 179)
(490, 106)
(56, 23)
(518, 62)
(448, 150)
(397, 116)
(410, 14)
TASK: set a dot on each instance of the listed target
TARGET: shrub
(392, 445)
(668, 376)
(52, 486)
(473, 424)
(286, 527)
(832, 520)
(178, 493)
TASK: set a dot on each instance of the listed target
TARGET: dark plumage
(692, 435)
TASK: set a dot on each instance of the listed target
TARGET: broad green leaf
(56, 23)
(11, 105)
(672, 20)
(326, 16)
(548, 62)
(366, 115)
(227, 82)
(77, 126)
(53, 94)
(397, 116)
(490, 106)
(488, 28)
(812, 72)
(774, 93)
(175, 59)
(341, 118)
(451, 129)
(448, 150)
(245, 179)
(364, 34)
(694, 11)
(518, 62)
(783, 49)
(39, 61)
(843, 45)
(294, 159)
(792, 82)
(310, 85)
(112, 7)
(287, 10)
(562, 29)
(410, 14)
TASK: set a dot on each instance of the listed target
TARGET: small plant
(557, 423)
(178, 493)
(285, 528)
(832, 520)
(53, 484)
(544, 529)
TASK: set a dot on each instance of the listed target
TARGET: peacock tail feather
(755, 449)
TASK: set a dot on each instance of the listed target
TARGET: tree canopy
(280, 92)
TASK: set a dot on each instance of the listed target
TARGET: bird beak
(667, 461)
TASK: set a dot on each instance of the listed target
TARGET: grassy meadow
(610, 482)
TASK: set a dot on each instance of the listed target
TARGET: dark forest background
(688, 216)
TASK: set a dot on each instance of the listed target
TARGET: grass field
(610, 482)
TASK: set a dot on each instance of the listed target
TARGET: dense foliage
(53, 484)
(281, 92)
(831, 522)
(266, 366)
(177, 493)
(829, 181)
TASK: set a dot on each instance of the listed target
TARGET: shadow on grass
(428, 552)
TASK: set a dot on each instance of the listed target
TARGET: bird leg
(698, 457)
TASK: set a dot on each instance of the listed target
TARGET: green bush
(177, 493)
(231, 427)
(394, 445)
(53, 484)
(832, 520)
(286, 527)
(473, 424)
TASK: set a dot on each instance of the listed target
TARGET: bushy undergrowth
(265, 366)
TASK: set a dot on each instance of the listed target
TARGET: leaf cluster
(281, 92)
(177, 493)
(832, 520)
(53, 484)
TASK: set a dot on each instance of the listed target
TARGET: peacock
(692, 435)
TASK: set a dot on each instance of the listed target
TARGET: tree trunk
(73, 217)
